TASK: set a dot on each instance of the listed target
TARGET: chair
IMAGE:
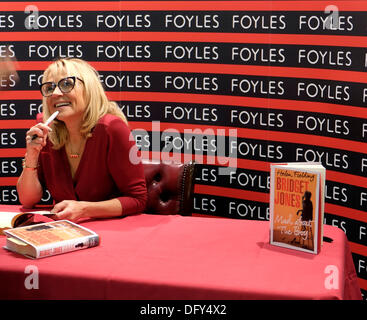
(170, 187)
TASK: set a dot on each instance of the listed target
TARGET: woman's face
(71, 105)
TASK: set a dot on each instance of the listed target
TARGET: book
(9, 220)
(50, 238)
(297, 199)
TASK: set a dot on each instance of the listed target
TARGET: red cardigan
(104, 172)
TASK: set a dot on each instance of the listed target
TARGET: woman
(87, 157)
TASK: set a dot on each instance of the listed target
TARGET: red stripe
(280, 104)
(63, 6)
(346, 178)
(266, 135)
(60, 36)
(264, 197)
(218, 161)
(233, 193)
(298, 39)
(17, 124)
(32, 65)
(220, 37)
(8, 181)
(42, 65)
(299, 138)
(251, 102)
(346, 212)
(290, 72)
(185, 5)
(184, 158)
(208, 216)
(240, 163)
(358, 248)
(12, 153)
(256, 165)
(362, 283)
(21, 95)
(340, 75)
(290, 138)
(253, 165)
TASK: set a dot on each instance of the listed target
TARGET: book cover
(50, 238)
(297, 206)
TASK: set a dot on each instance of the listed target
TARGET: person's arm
(126, 168)
(75, 210)
(28, 185)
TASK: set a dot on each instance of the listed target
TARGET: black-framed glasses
(65, 85)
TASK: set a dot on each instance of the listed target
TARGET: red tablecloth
(175, 257)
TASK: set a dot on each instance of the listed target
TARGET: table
(174, 257)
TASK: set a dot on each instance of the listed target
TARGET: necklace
(75, 155)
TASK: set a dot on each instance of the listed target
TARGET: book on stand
(50, 238)
(297, 205)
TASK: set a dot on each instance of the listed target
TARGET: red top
(104, 172)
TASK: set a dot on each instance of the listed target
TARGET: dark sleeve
(126, 168)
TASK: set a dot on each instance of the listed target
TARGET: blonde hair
(95, 97)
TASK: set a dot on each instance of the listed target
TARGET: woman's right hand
(34, 146)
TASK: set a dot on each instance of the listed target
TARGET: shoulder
(112, 125)
(111, 122)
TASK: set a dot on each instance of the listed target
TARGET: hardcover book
(50, 238)
(297, 205)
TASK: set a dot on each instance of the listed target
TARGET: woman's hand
(34, 146)
(70, 210)
(74, 210)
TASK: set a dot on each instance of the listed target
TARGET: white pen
(48, 121)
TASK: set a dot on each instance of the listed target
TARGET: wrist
(85, 209)
(30, 163)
